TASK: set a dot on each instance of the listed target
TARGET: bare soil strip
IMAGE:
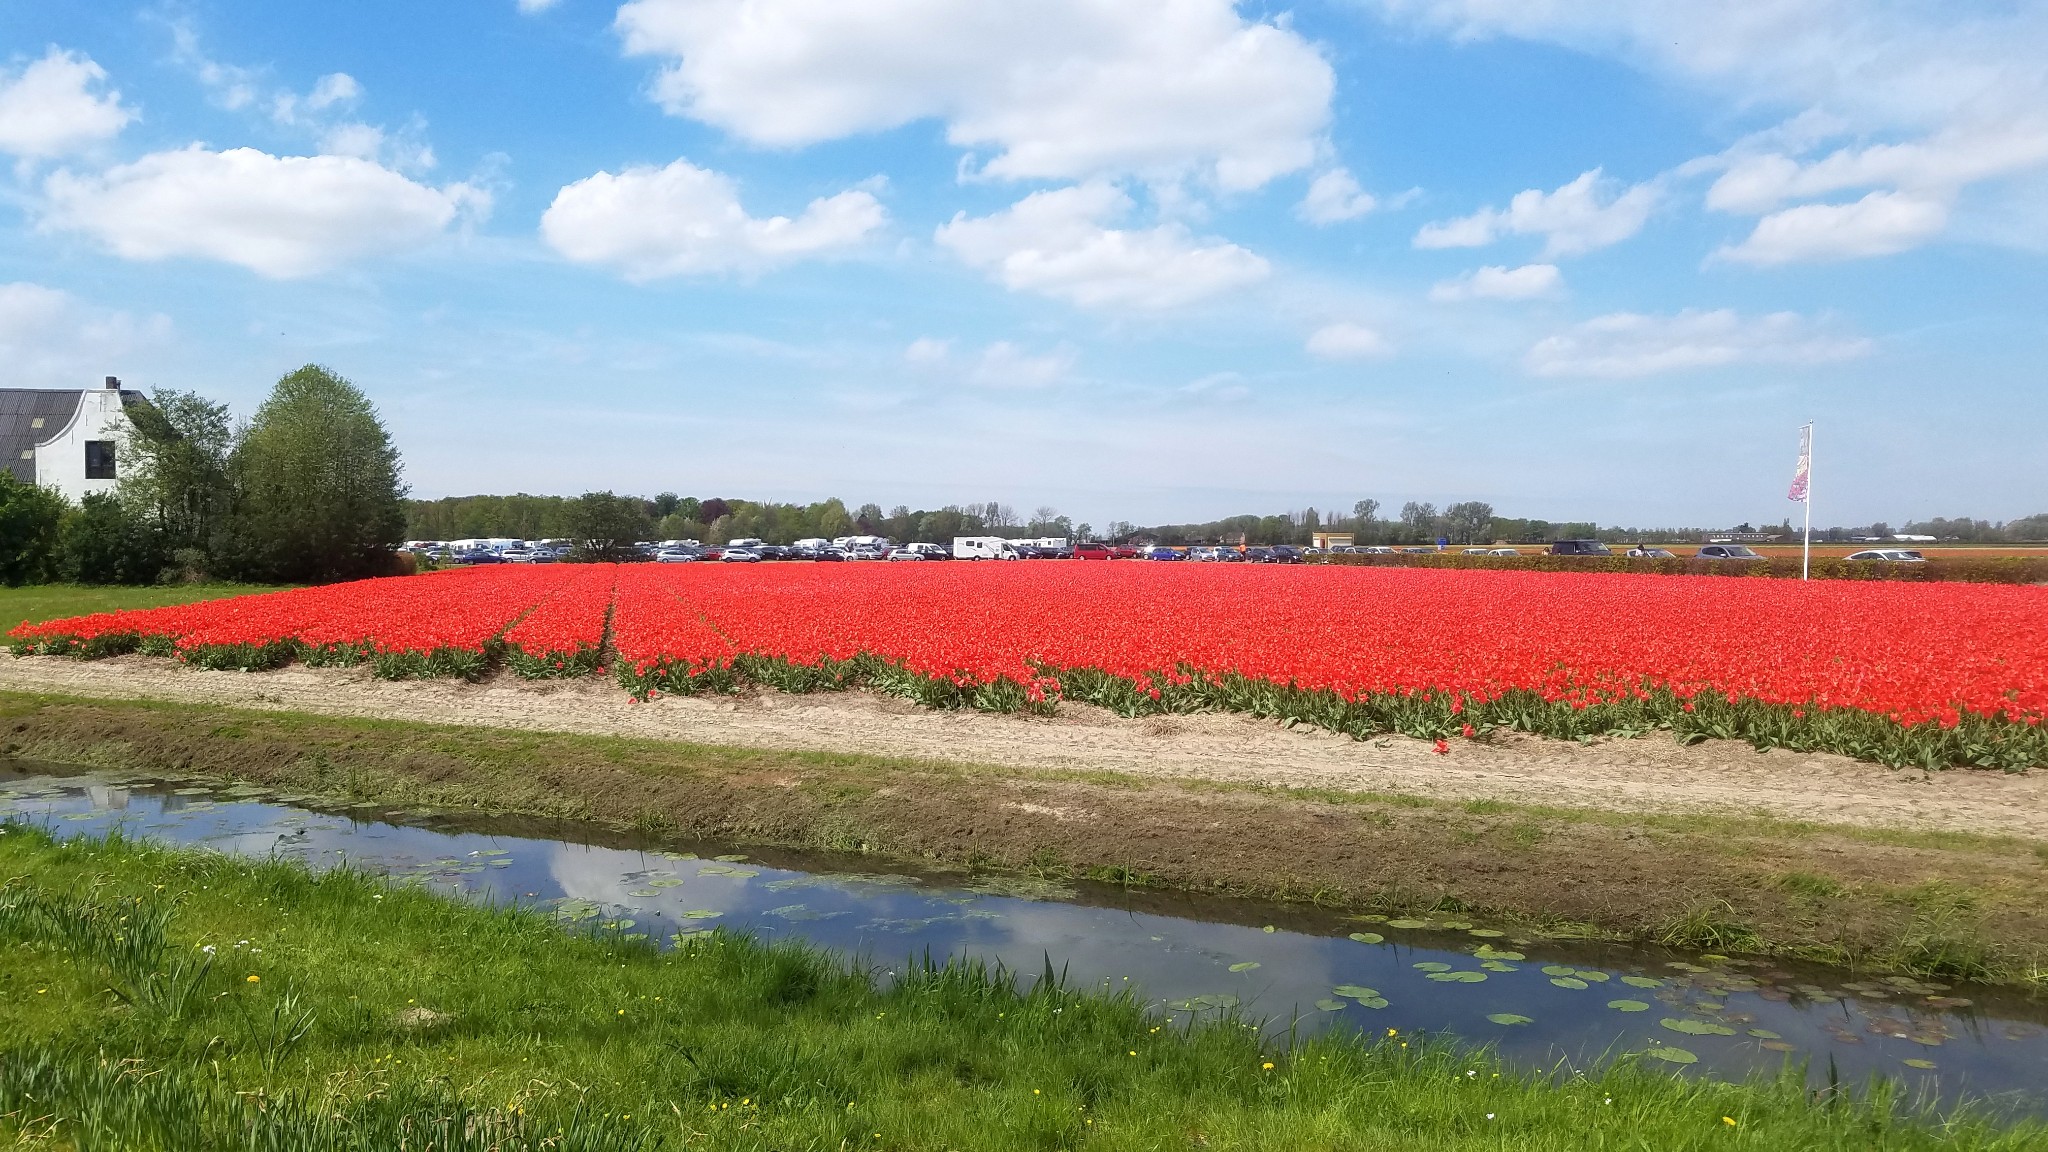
(1650, 775)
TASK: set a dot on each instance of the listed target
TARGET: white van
(984, 548)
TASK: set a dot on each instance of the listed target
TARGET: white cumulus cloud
(49, 338)
(649, 223)
(1588, 213)
(1059, 243)
(1058, 89)
(1880, 224)
(532, 6)
(1348, 341)
(1937, 94)
(56, 106)
(1494, 282)
(279, 216)
(1335, 197)
(1630, 344)
(1002, 364)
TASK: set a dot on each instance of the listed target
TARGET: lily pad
(1765, 1034)
(729, 859)
(643, 893)
(1244, 965)
(666, 882)
(1628, 1005)
(1368, 938)
(1642, 981)
(1593, 974)
(1458, 977)
(1489, 952)
(1696, 1027)
(1374, 1002)
(1269, 929)
(1916, 1062)
(1498, 966)
(1509, 1018)
(1775, 1045)
(1569, 982)
(1672, 1055)
(1355, 991)
(1485, 933)
(1431, 966)
(1456, 925)
(1330, 1005)
(1407, 923)
(1559, 970)
(701, 914)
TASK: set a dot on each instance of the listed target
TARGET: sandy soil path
(1650, 774)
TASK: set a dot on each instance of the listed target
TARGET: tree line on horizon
(719, 520)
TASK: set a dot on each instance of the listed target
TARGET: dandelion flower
(255, 979)
(1268, 1065)
(1728, 1120)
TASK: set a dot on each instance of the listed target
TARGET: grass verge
(35, 602)
(1938, 904)
(158, 1000)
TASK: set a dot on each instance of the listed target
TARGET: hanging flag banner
(1799, 474)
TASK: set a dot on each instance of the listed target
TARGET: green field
(157, 999)
(56, 601)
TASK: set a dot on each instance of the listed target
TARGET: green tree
(317, 479)
(31, 519)
(1469, 523)
(104, 542)
(605, 528)
(175, 478)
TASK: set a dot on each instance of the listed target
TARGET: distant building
(66, 439)
(1331, 540)
(1912, 538)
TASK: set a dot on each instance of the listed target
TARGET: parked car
(677, 556)
(1641, 553)
(1890, 555)
(1124, 552)
(1377, 550)
(923, 552)
(1419, 550)
(1093, 551)
(1503, 552)
(769, 551)
(1476, 551)
(1164, 554)
(479, 556)
(1230, 555)
(867, 552)
(733, 555)
(1283, 554)
(826, 555)
(1727, 552)
(1580, 548)
(1259, 554)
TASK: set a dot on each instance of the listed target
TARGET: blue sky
(1134, 259)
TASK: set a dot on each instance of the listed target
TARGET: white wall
(60, 460)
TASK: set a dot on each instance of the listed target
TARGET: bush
(103, 543)
(31, 520)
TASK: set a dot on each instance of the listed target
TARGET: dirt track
(1646, 775)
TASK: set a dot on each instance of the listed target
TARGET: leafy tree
(176, 480)
(605, 527)
(666, 503)
(1418, 521)
(1469, 523)
(31, 519)
(319, 496)
(104, 542)
(712, 510)
(1365, 511)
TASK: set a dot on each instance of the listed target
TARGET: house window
(99, 460)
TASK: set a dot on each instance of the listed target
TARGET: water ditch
(1541, 1001)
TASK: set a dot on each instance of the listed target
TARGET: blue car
(1166, 554)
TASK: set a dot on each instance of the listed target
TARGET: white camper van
(984, 548)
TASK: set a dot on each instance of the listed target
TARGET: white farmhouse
(67, 440)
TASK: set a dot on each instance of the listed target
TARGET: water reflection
(1540, 1000)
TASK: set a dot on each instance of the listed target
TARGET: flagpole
(1806, 549)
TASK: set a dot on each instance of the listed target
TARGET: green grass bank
(158, 1000)
(1939, 904)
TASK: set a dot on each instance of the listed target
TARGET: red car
(1094, 551)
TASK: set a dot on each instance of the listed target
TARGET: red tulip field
(1929, 674)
